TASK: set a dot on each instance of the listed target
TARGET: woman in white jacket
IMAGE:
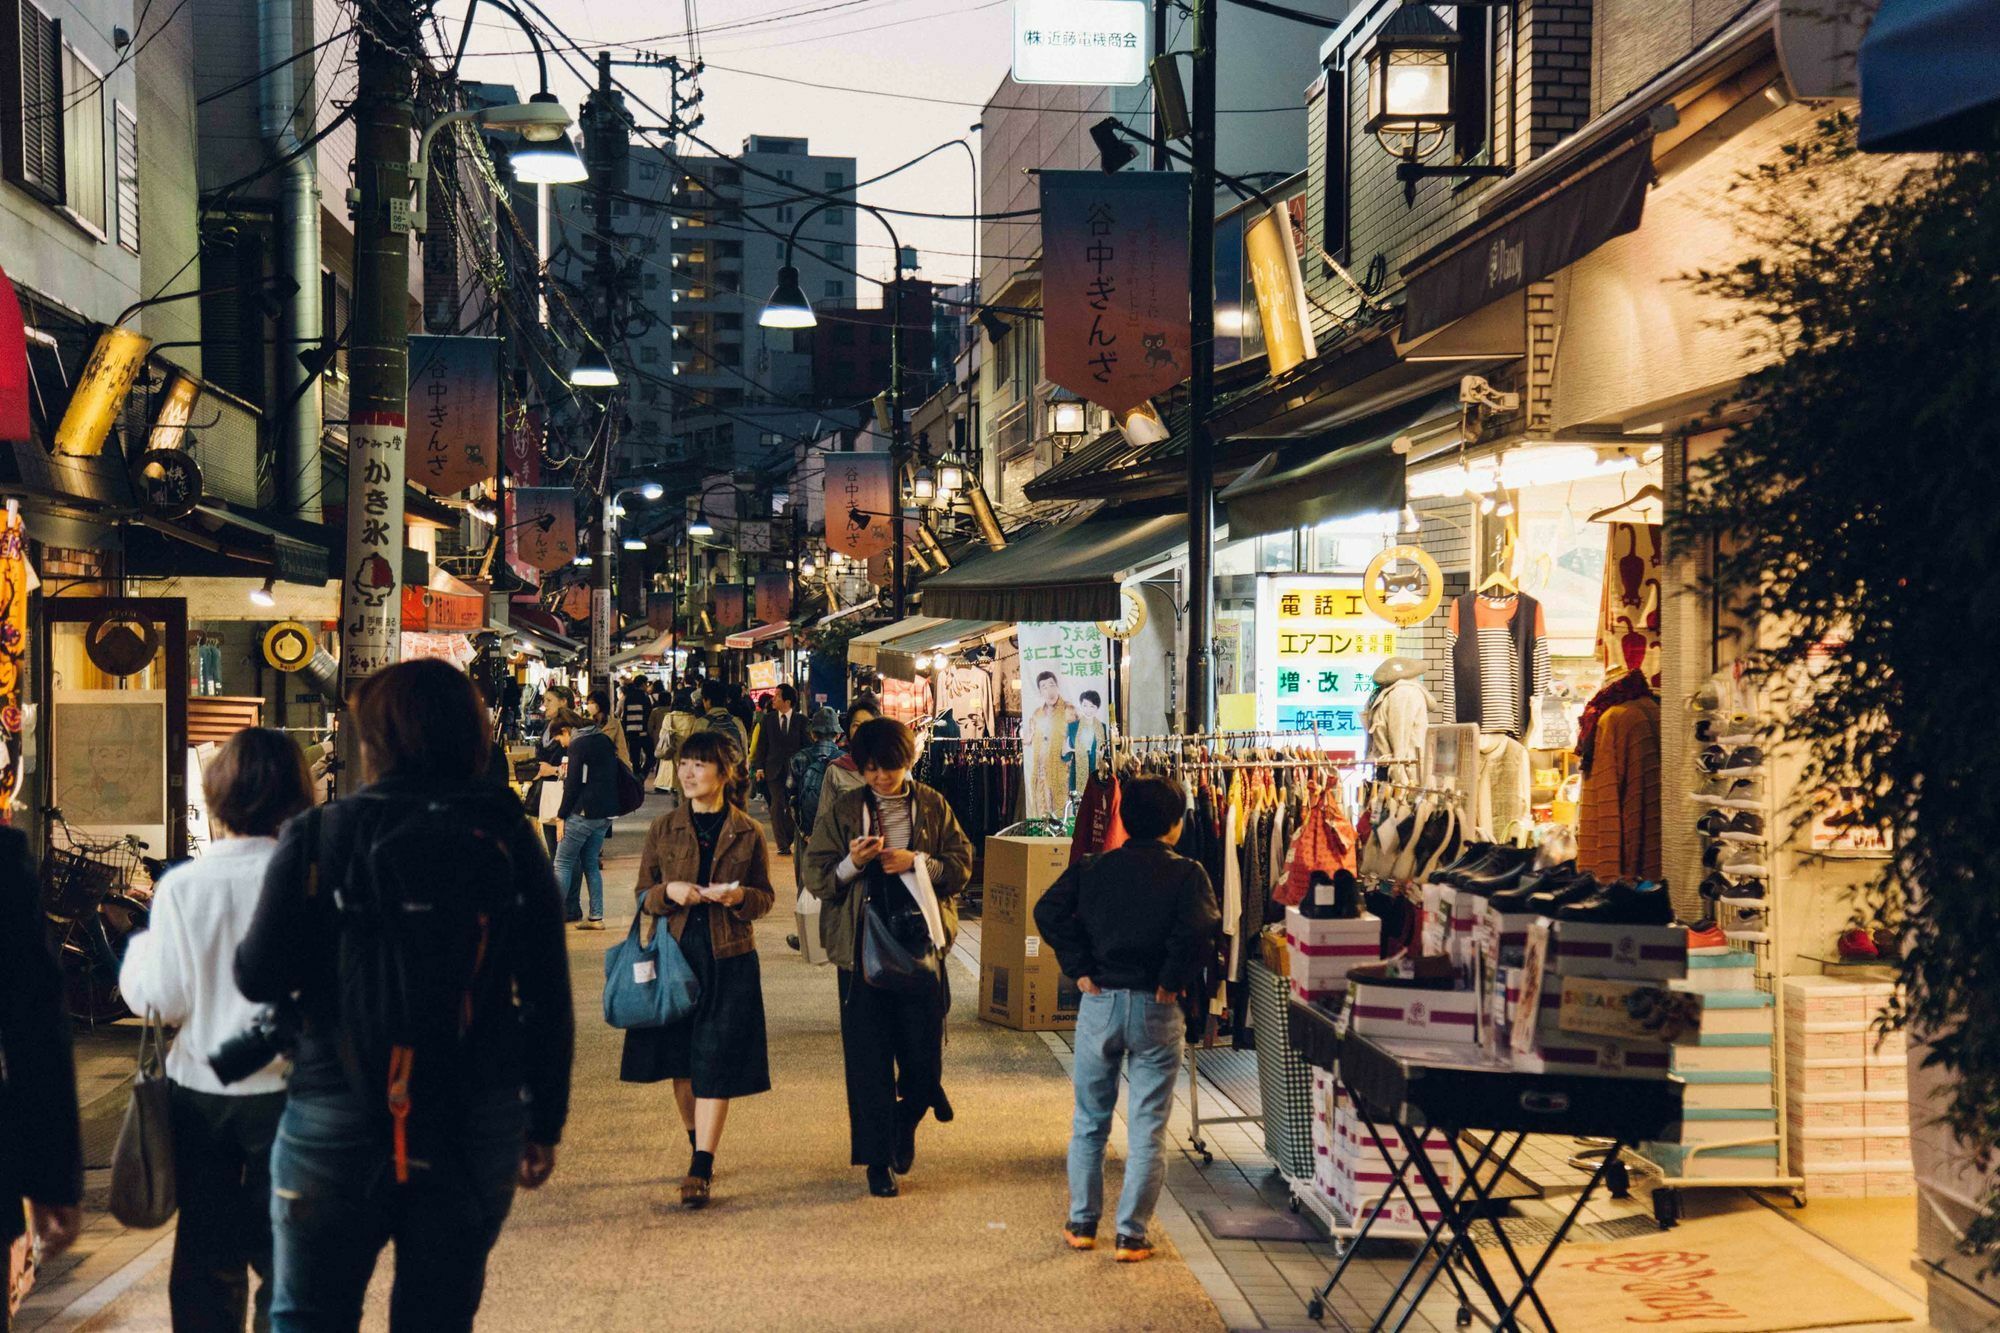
(179, 972)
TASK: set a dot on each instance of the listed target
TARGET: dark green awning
(1346, 472)
(1066, 573)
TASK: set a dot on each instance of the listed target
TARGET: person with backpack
(411, 936)
(179, 972)
(886, 850)
(1130, 926)
(809, 767)
(589, 804)
(705, 873)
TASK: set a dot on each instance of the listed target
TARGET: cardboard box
(1614, 952)
(1885, 1146)
(1021, 985)
(1729, 1125)
(1836, 1184)
(1823, 1110)
(1886, 1110)
(1402, 1011)
(1826, 1041)
(1327, 944)
(1848, 1077)
(1699, 1059)
(1720, 971)
(1891, 1184)
(1826, 1147)
(1629, 1010)
(1724, 1090)
(1824, 1000)
(1892, 1075)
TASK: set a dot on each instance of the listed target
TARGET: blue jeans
(335, 1203)
(582, 843)
(1129, 1029)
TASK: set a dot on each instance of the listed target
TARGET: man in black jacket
(1129, 926)
(589, 804)
(41, 1157)
(781, 735)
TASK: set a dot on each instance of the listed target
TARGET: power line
(954, 101)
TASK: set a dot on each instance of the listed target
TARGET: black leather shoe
(1475, 854)
(1543, 881)
(1506, 877)
(881, 1184)
(1623, 903)
(941, 1108)
(1550, 902)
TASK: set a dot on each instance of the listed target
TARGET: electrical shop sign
(455, 406)
(1318, 645)
(1101, 43)
(859, 490)
(1114, 286)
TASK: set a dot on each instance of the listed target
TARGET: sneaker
(1743, 792)
(1743, 892)
(1857, 946)
(1740, 860)
(1132, 1250)
(594, 923)
(1714, 823)
(1733, 729)
(1708, 940)
(1077, 1238)
(1743, 826)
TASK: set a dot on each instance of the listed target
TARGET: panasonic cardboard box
(1021, 985)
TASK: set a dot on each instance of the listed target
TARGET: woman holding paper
(705, 873)
(892, 835)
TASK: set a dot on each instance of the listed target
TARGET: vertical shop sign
(371, 601)
(859, 492)
(100, 392)
(13, 650)
(543, 525)
(1114, 290)
(455, 398)
(1318, 645)
(660, 611)
(729, 606)
(523, 445)
(1064, 728)
(1281, 290)
(774, 598)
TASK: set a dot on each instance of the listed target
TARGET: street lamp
(593, 370)
(547, 157)
(789, 309)
(1409, 82)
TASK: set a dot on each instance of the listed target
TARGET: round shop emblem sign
(1403, 585)
(121, 643)
(288, 645)
(1131, 622)
(169, 483)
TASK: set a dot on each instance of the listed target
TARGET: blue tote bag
(647, 984)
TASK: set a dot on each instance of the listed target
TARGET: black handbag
(896, 949)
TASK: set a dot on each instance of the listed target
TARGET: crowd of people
(395, 960)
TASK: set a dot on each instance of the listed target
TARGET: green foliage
(1855, 504)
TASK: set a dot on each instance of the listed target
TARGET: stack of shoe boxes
(1729, 1094)
(1847, 1114)
(1353, 1168)
(1321, 950)
(1541, 1041)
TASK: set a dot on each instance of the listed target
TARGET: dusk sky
(953, 52)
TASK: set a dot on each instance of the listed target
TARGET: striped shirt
(897, 820)
(1500, 666)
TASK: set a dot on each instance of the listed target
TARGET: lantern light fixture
(1410, 65)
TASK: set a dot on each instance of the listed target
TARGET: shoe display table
(1420, 1089)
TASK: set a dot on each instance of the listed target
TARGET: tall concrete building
(707, 384)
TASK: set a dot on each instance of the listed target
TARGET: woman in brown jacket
(706, 873)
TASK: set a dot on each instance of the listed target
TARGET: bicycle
(96, 894)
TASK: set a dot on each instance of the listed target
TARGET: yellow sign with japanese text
(1281, 290)
(1318, 645)
(100, 392)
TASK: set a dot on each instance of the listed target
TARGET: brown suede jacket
(741, 857)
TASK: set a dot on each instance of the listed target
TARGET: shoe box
(1321, 951)
(1021, 985)
(1410, 1012)
(1352, 1167)
(1631, 959)
(1613, 952)
(1720, 970)
(1629, 1010)
(1847, 1114)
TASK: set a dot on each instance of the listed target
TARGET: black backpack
(426, 905)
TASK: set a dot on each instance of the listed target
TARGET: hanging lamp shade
(788, 307)
(593, 370)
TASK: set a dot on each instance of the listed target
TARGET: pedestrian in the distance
(809, 774)
(705, 874)
(1129, 926)
(633, 705)
(598, 710)
(416, 928)
(589, 804)
(680, 722)
(865, 842)
(41, 1153)
(780, 735)
(179, 971)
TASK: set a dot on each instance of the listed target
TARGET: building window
(836, 254)
(127, 157)
(652, 282)
(1333, 206)
(835, 180)
(649, 354)
(31, 56)
(835, 217)
(784, 212)
(1473, 74)
(83, 142)
(830, 290)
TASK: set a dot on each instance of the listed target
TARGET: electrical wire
(955, 101)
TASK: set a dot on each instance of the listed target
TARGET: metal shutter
(31, 83)
(126, 218)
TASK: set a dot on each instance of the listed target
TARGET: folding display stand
(1195, 1139)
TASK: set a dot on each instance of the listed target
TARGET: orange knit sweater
(1618, 824)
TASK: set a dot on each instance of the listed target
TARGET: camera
(272, 1034)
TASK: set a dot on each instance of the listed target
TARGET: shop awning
(848, 612)
(1930, 76)
(750, 638)
(1342, 473)
(16, 423)
(862, 649)
(1542, 232)
(653, 650)
(543, 638)
(1066, 573)
(898, 657)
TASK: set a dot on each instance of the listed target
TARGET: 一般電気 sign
(1102, 43)
(1318, 645)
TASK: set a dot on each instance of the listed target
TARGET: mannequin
(1618, 820)
(1398, 716)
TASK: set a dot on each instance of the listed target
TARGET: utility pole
(899, 557)
(371, 609)
(1201, 379)
(609, 144)
(1160, 160)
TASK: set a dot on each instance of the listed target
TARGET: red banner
(14, 420)
(1114, 287)
(525, 430)
(541, 522)
(774, 598)
(859, 492)
(729, 606)
(454, 431)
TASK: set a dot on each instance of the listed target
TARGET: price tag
(645, 970)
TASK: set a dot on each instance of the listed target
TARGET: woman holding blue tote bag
(705, 873)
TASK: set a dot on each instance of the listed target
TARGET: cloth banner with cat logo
(1628, 624)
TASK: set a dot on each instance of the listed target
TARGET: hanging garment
(1628, 618)
(1096, 819)
(1232, 873)
(1618, 819)
(1500, 802)
(1398, 716)
(1324, 846)
(1499, 661)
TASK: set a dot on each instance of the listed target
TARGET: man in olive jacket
(892, 1041)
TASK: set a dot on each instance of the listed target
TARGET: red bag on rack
(1325, 844)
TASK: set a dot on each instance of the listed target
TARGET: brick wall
(1539, 398)
(1555, 51)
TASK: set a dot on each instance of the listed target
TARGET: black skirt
(721, 1046)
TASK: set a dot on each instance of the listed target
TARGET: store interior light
(264, 596)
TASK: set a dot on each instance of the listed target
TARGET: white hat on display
(1398, 668)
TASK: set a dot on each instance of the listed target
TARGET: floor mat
(1736, 1273)
(1881, 1233)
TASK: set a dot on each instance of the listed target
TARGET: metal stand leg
(1456, 1218)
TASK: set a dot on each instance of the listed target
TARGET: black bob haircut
(1151, 806)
